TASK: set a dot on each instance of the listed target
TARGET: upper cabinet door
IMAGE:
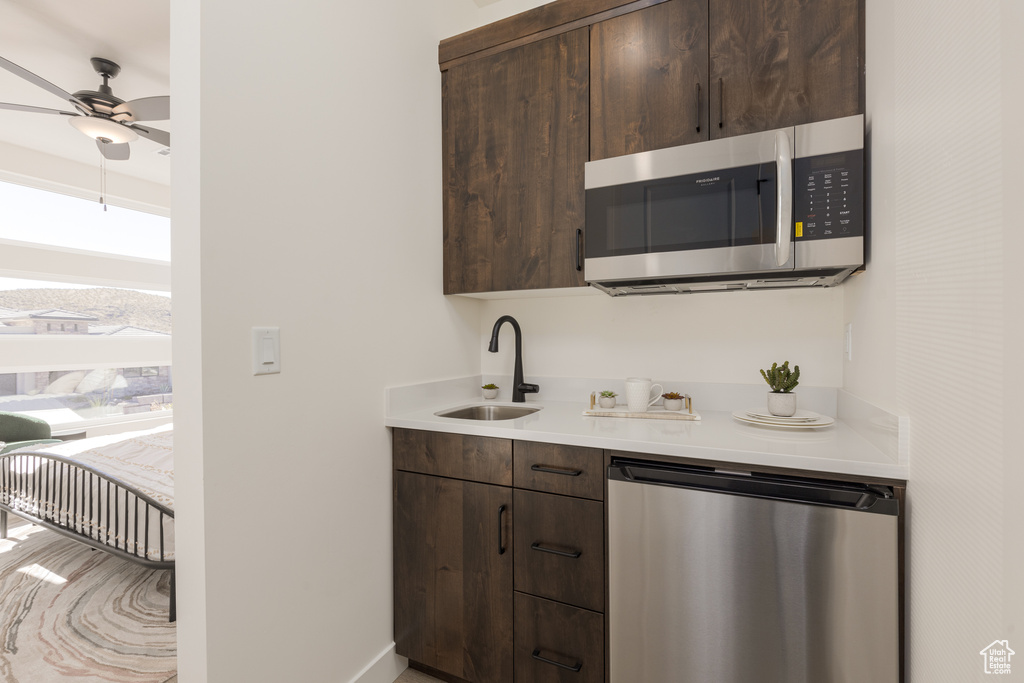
(783, 63)
(515, 142)
(649, 79)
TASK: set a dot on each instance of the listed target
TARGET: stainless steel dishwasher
(718, 577)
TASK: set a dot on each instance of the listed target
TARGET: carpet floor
(70, 614)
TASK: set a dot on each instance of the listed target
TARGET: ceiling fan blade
(114, 151)
(37, 110)
(42, 83)
(155, 134)
(146, 109)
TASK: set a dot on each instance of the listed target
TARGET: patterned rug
(70, 614)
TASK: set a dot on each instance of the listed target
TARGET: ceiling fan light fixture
(99, 128)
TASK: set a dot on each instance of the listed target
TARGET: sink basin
(487, 412)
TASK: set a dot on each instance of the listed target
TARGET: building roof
(124, 331)
(44, 314)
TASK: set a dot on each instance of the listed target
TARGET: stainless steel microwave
(783, 208)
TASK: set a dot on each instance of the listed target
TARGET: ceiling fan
(109, 120)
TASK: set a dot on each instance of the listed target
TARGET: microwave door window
(623, 218)
(691, 215)
(732, 207)
(709, 211)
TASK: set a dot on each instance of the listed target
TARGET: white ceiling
(55, 39)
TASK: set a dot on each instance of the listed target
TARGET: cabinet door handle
(579, 249)
(575, 667)
(501, 529)
(573, 554)
(556, 470)
(698, 107)
(721, 103)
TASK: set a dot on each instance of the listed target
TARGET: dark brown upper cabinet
(528, 100)
(649, 79)
(515, 142)
(783, 63)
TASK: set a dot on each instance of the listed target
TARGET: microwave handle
(783, 197)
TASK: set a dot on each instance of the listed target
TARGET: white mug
(638, 394)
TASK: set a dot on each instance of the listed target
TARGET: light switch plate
(848, 342)
(266, 350)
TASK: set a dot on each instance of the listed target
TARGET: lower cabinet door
(556, 643)
(453, 576)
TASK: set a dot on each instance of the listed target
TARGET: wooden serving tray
(651, 414)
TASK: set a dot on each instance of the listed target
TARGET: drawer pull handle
(501, 530)
(556, 470)
(575, 667)
(574, 554)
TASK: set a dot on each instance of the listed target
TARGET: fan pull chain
(103, 181)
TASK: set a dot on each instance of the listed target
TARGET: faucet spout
(519, 387)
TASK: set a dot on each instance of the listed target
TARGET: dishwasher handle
(851, 496)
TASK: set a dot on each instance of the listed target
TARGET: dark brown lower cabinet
(557, 643)
(453, 576)
(463, 560)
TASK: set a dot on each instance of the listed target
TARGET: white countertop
(843, 448)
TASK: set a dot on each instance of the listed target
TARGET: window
(85, 309)
(68, 397)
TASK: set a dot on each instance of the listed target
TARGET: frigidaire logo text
(708, 180)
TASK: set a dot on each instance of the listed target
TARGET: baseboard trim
(385, 667)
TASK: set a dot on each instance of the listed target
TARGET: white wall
(307, 195)
(950, 190)
(870, 303)
(936, 332)
(708, 337)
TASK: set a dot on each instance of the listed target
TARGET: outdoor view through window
(85, 309)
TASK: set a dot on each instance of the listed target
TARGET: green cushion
(21, 444)
(17, 427)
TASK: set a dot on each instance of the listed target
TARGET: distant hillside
(111, 306)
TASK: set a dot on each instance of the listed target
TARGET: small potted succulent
(782, 380)
(673, 400)
(607, 399)
(490, 390)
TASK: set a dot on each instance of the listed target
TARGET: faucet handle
(529, 388)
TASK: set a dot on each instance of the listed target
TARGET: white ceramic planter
(673, 404)
(606, 401)
(490, 393)
(783, 405)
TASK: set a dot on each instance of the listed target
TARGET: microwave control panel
(829, 193)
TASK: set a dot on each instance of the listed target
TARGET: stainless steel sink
(487, 412)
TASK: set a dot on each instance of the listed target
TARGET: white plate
(806, 418)
(799, 416)
(818, 423)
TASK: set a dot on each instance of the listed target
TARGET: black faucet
(519, 387)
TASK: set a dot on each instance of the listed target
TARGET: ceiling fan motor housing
(102, 101)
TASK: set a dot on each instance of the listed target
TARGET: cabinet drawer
(560, 548)
(475, 458)
(569, 470)
(556, 643)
